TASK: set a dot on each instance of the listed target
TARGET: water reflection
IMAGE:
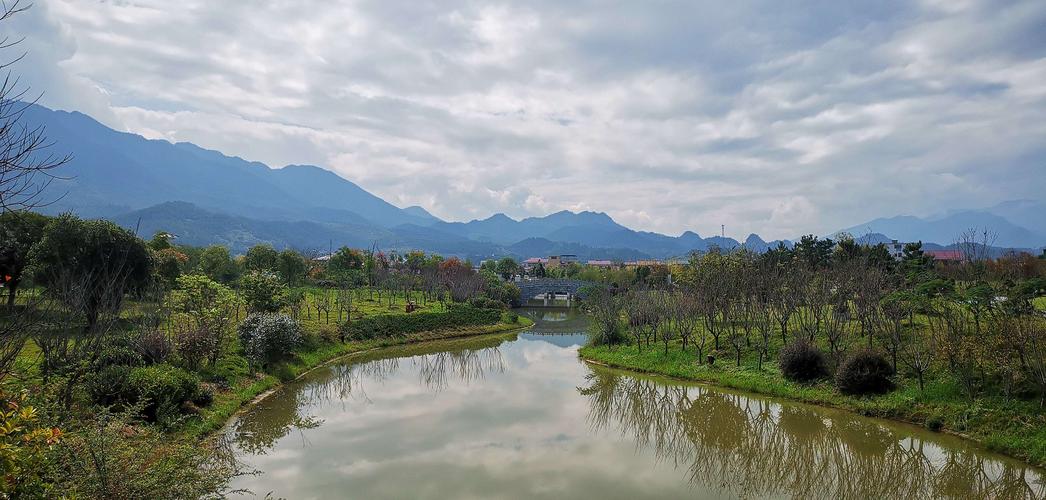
(749, 447)
(275, 417)
(504, 417)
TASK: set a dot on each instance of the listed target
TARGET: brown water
(520, 416)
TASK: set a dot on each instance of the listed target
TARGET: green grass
(1013, 427)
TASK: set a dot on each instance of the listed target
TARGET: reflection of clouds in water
(751, 447)
(520, 430)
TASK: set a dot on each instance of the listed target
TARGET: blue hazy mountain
(206, 197)
(113, 172)
(947, 229)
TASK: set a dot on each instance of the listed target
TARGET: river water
(520, 416)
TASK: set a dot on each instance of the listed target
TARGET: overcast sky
(774, 117)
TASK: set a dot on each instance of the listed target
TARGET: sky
(779, 118)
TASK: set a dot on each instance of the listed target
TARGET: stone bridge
(541, 286)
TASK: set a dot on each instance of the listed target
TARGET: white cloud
(769, 118)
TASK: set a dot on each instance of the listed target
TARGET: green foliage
(505, 293)
(227, 370)
(292, 267)
(457, 316)
(507, 268)
(813, 251)
(216, 263)
(864, 372)
(158, 390)
(486, 303)
(934, 422)
(89, 264)
(168, 264)
(802, 361)
(18, 232)
(160, 241)
(344, 263)
(262, 291)
(114, 456)
(268, 337)
(24, 446)
(262, 258)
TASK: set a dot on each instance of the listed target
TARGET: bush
(196, 344)
(159, 389)
(458, 315)
(511, 317)
(486, 303)
(112, 456)
(227, 370)
(935, 422)
(864, 372)
(154, 346)
(269, 336)
(801, 361)
(263, 291)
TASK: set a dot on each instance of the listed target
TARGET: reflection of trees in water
(467, 365)
(259, 429)
(750, 447)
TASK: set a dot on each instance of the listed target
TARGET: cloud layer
(769, 117)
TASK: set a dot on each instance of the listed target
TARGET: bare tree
(26, 164)
(686, 316)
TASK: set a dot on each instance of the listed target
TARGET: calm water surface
(520, 416)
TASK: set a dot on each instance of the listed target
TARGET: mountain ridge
(231, 199)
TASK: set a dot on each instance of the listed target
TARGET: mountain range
(206, 197)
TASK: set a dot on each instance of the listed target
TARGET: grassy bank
(1009, 426)
(229, 400)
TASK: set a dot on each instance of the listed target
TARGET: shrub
(196, 344)
(935, 422)
(458, 315)
(112, 456)
(864, 372)
(511, 317)
(267, 336)
(227, 370)
(263, 291)
(486, 303)
(154, 346)
(159, 389)
(801, 361)
(162, 389)
(120, 349)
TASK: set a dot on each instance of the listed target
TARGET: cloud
(766, 117)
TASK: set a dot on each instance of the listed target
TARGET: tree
(25, 164)
(161, 241)
(210, 306)
(168, 264)
(216, 263)
(18, 232)
(263, 291)
(90, 264)
(292, 267)
(344, 262)
(605, 308)
(507, 268)
(261, 258)
(813, 251)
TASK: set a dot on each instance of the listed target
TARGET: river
(520, 416)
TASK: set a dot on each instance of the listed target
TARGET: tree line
(841, 302)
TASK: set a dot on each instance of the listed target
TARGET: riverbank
(227, 402)
(1014, 428)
